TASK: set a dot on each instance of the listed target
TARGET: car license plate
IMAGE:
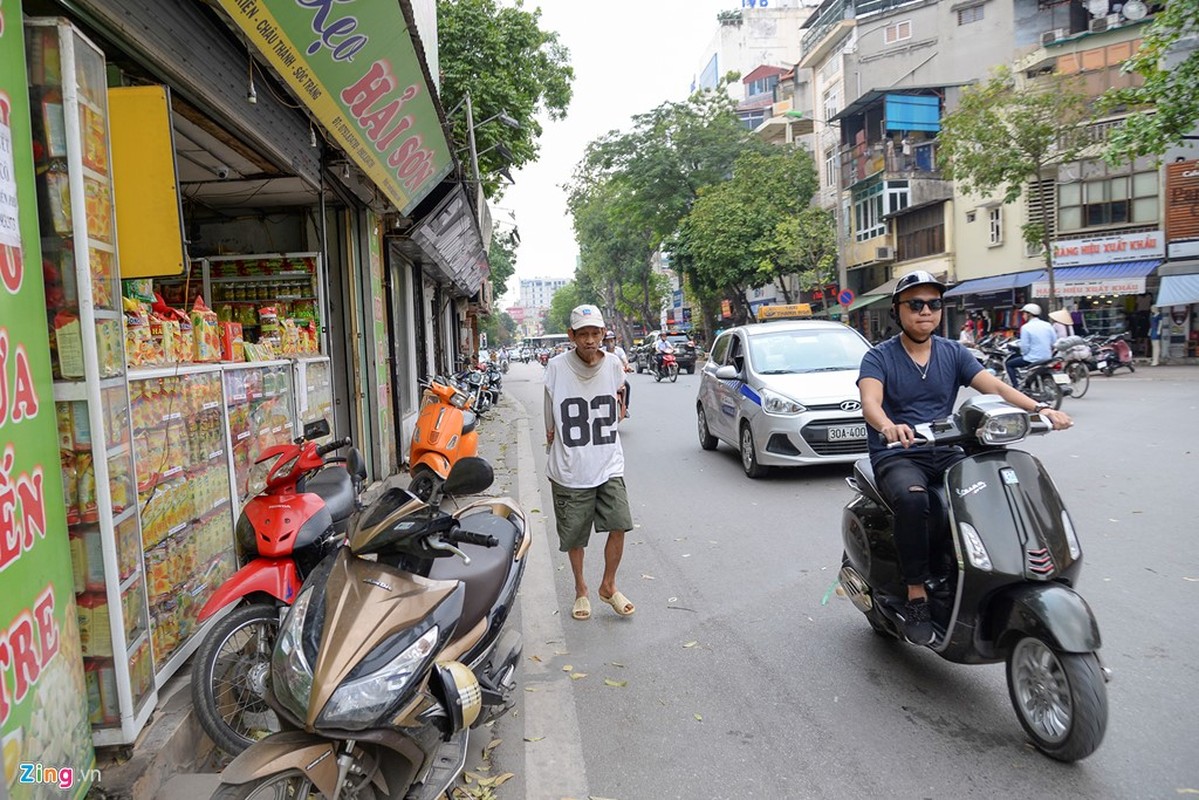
(1060, 378)
(846, 433)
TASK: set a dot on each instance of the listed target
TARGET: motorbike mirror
(356, 464)
(469, 475)
(316, 429)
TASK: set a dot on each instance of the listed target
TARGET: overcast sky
(628, 58)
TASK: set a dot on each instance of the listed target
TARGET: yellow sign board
(149, 220)
(792, 311)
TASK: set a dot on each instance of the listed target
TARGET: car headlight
(1005, 427)
(775, 403)
(972, 543)
(291, 675)
(359, 703)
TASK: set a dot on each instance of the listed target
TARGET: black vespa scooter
(1010, 560)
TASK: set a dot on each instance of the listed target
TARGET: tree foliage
(1170, 88)
(501, 55)
(557, 317)
(744, 233)
(500, 329)
(1006, 133)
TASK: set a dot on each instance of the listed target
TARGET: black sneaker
(917, 624)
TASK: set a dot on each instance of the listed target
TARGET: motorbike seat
(863, 473)
(334, 486)
(488, 569)
(938, 508)
(470, 421)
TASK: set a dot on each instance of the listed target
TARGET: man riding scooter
(661, 348)
(910, 379)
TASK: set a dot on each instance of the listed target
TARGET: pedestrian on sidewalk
(1159, 328)
(586, 462)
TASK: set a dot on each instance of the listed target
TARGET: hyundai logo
(851, 405)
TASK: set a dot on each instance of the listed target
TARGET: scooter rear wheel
(229, 677)
(1080, 378)
(1059, 698)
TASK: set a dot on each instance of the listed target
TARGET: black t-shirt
(912, 394)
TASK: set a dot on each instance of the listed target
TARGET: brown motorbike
(393, 650)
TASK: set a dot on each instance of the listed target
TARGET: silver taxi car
(784, 394)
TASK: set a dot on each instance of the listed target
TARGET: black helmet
(916, 278)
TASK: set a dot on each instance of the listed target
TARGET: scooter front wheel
(291, 784)
(230, 674)
(423, 484)
(674, 372)
(1059, 698)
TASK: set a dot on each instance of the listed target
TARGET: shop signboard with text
(1108, 249)
(44, 726)
(355, 66)
(1117, 286)
(1182, 200)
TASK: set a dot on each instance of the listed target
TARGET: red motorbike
(283, 532)
(1113, 353)
(666, 366)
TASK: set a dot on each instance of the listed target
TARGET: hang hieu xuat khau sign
(355, 66)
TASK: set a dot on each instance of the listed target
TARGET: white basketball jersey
(586, 451)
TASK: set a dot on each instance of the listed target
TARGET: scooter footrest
(448, 761)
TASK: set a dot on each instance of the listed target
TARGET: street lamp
(503, 119)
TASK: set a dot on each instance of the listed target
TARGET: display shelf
(260, 412)
(68, 92)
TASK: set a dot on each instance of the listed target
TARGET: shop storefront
(1179, 289)
(185, 333)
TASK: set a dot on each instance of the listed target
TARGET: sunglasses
(918, 304)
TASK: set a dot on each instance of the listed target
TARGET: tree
(732, 237)
(1005, 134)
(499, 328)
(810, 238)
(558, 316)
(509, 65)
(1170, 88)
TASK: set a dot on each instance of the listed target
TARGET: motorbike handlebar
(336, 444)
(467, 537)
(917, 441)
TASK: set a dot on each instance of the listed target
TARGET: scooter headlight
(458, 400)
(359, 703)
(972, 543)
(775, 403)
(1004, 427)
(1071, 536)
(291, 675)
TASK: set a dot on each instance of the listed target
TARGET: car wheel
(749, 454)
(706, 440)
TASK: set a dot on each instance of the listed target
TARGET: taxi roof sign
(792, 311)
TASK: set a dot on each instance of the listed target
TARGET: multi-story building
(538, 292)
(746, 38)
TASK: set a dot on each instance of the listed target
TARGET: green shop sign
(44, 725)
(354, 64)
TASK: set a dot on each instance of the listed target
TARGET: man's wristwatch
(1039, 407)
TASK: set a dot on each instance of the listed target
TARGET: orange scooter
(445, 432)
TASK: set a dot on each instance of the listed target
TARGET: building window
(971, 14)
(830, 167)
(920, 233)
(763, 85)
(898, 32)
(868, 213)
(832, 103)
(898, 196)
(995, 226)
(970, 216)
(1104, 201)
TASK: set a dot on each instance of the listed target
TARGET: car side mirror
(727, 372)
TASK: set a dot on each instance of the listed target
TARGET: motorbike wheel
(423, 484)
(749, 455)
(1080, 378)
(657, 375)
(292, 784)
(673, 371)
(1044, 389)
(230, 674)
(1060, 698)
(706, 440)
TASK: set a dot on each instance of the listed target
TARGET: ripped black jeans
(903, 479)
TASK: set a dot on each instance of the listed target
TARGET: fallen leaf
(493, 744)
(500, 780)
(535, 511)
(699, 718)
(574, 676)
(535, 658)
(568, 668)
(672, 600)
(616, 664)
(617, 684)
(686, 555)
(1192, 580)
(530, 689)
(691, 644)
(534, 738)
(648, 577)
(561, 652)
(1187, 791)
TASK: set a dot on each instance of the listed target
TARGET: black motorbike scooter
(1010, 559)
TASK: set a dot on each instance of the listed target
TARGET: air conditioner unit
(884, 254)
(1055, 35)
(1100, 24)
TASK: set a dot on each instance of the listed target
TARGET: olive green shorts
(606, 507)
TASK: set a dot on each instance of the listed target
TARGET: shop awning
(875, 295)
(994, 283)
(1178, 290)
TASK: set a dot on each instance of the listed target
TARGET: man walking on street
(1159, 334)
(586, 462)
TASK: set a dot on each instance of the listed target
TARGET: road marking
(554, 765)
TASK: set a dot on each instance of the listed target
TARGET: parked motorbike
(445, 432)
(1113, 353)
(300, 516)
(668, 369)
(1008, 558)
(394, 649)
(1044, 381)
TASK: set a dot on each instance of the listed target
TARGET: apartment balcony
(894, 160)
(824, 29)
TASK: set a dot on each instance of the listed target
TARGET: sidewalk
(173, 758)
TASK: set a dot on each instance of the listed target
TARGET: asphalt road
(743, 675)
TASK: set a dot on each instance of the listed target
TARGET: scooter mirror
(316, 429)
(356, 464)
(469, 475)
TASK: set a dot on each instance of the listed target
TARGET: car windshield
(799, 351)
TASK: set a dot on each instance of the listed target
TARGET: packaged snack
(268, 328)
(93, 556)
(139, 289)
(94, 632)
(232, 343)
(81, 426)
(91, 674)
(206, 337)
(108, 347)
(78, 562)
(87, 487)
(70, 485)
(68, 339)
(289, 337)
(62, 412)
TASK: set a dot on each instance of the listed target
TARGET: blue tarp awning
(995, 283)
(1178, 290)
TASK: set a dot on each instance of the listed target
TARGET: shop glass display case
(68, 93)
(258, 402)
